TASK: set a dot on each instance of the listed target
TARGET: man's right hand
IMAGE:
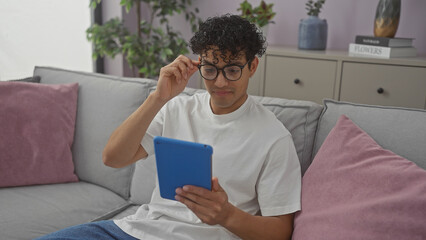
(174, 77)
(123, 147)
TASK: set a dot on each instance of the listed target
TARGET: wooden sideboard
(315, 75)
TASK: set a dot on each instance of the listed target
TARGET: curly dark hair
(229, 33)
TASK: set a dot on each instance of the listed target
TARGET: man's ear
(253, 65)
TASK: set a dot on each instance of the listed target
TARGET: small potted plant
(312, 30)
(261, 15)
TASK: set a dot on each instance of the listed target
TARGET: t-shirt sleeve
(154, 129)
(279, 183)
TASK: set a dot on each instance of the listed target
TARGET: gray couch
(106, 193)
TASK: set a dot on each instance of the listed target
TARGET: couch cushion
(37, 131)
(30, 212)
(299, 117)
(355, 189)
(143, 181)
(401, 130)
(104, 102)
(126, 212)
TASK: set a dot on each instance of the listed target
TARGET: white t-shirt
(254, 159)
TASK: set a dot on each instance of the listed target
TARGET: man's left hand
(212, 207)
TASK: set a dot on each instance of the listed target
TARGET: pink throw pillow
(355, 189)
(36, 133)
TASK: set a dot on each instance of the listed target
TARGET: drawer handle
(380, 90)
(296, 81)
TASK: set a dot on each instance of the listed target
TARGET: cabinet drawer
(378, 84)
(298, 78)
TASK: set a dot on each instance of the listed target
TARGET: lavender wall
(346, 19)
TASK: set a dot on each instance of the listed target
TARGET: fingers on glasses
(185, 66)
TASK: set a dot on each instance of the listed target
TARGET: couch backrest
(104, 102)
(401, 130)
(299, 117)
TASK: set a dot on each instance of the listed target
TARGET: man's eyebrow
(237, 62)
(206, 62)
(232, 62)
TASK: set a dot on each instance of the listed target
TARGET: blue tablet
(181, 163)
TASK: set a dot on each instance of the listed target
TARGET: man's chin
(221, 102)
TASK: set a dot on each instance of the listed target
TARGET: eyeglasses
(232, 72)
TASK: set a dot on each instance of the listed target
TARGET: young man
(256, 188)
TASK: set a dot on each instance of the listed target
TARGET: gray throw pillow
(400, 130)
(34, 79)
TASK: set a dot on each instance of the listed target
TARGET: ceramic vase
(387, 18)
(313, 33)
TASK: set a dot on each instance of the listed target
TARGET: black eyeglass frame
(223, 70)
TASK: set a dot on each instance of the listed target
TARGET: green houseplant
(150, 47)
(312, 30)
(260, 15)
(314, 8)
